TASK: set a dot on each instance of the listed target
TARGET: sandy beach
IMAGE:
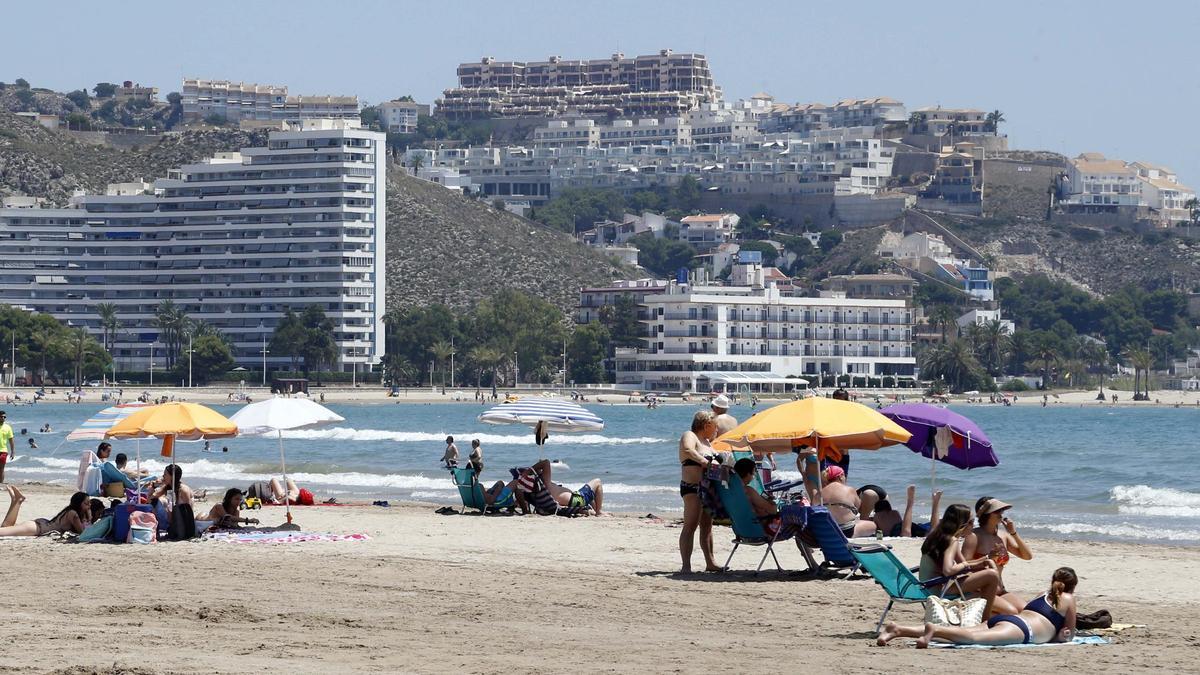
(500, 594)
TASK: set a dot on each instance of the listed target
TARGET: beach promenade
(433, 593)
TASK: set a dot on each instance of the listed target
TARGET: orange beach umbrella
(828, 424)
(182, 421)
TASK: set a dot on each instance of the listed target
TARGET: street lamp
(190, 350)
(151, 364)
(516, 370)
(263, 351)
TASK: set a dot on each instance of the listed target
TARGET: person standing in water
(720, 408)
(450, 457)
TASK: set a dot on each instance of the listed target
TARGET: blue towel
(1079, 640)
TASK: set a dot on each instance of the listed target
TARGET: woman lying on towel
(226, 515)
(273, 492)
(1047, 618)
(75, 518)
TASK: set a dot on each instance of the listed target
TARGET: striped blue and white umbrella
(558, 415)
(94, 427)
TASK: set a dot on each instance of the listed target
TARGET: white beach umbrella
(274, 416)
(558, 415)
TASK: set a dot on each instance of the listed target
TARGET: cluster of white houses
(234, 241)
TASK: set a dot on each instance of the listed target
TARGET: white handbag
(954, 612)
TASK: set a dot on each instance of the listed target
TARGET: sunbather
(998, 544)
(941, 556)
(75, 518)
(1048, 618)
(499, 492)
(893, 524)
(844, 504)
(591, 494)
(227, 514)
(273, 492)
(745, 468)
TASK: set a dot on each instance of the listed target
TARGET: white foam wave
(622, 488)
(1146, 496)
(1120, 530)
(349, 434)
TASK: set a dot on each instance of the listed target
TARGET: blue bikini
(1039, 605)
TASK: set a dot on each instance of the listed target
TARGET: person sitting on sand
(74, 518)
(1047, 618)
(844, 504)
(941, 556)
(165, 490)
(591, 494)
(998, 544)
(227, 514)
(450, 457)
(892, 524)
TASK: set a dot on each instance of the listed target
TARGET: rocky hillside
(442, 247)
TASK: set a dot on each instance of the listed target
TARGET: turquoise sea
(1082, 473)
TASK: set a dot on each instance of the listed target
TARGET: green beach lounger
(471, 492)
(894, 578)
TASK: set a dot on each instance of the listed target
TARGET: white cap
(721, 402)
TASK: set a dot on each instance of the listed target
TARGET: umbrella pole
(820, 495)
(283, 466)
(137, 443)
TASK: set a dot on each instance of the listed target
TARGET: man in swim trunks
(591, 494)
(7, 449)
(720, 408)
(844, 504)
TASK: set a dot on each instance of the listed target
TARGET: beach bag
(143, 526)
(1098, 619)
(954, 612)
(183, 523)
(97, 531)
(121, 517)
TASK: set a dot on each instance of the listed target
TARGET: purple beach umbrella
(971, 448)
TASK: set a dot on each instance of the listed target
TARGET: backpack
(183, 523)
(143, 527)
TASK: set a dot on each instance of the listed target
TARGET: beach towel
(279, 537)
(1079, 640)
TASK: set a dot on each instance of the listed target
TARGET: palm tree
(1047, 356)
(397, 369)
(943, 316)
(173, 326)
(1142, 362)
(44, 337)
(415, 164)
(82, 347)
(953, 362)
(996, 345)
(485, 358)
(915, 120)
(1193, 208)
(441, 351)
(993, 120)
(108, 322)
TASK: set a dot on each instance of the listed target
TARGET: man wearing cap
(7, 449)
(844, 503)
(720, 408)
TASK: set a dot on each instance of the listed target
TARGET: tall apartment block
(235, 241)
(245, 101)
(652, 85)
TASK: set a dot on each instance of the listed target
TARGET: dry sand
(432, 593)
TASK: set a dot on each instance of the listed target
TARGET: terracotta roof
(706, 218)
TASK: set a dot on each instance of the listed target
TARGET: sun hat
(721, 402)
(993, 506)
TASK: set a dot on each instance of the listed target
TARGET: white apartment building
(400, 117)
(646, 131)
(234, 241)
(1094, 180)
(913, 247)
(809, 117)
(699, 336)
(708, 231)
(246, 101)
(984, 316)
(577, 133)
(1163, 192)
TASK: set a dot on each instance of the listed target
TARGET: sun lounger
(895, 579)
(471, 492)
(747, 529)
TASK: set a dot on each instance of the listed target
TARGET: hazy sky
(1118, 78)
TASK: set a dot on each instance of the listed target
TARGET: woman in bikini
(941, 556)
(75, 518)
(1047, 618)
(227, 514)
(695, 452)
(999, 545)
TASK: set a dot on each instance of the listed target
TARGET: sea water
(1095, 472)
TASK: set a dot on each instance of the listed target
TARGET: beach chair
(747, 529)
(895, 579)
(757, 483)
(471, 492)
(833, 543)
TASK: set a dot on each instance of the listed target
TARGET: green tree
(586, 353)
(369, 116)
(485, 360)
(830, 239)
(173, 325)
(105, 90)
(943, 317)
(769, 253)
(288, 338)
(108, 322)
(78, 121)
(216, 120)
(687, 193)
(663, 257)
(513, 321)
(211, 357)
(621, 320)
(993, 120)
(81, 99)
(318, 346)
(22, 83)
(87, 355)
(954, 364)
(441, 351)
(26, 99)
(415, 164)
(397, 370)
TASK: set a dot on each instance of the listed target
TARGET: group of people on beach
(968, 548)
(532, 489)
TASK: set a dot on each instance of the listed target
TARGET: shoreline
(539, 594)
(1166, 398)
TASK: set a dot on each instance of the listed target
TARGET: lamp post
(151, 364)
(190, 350)
(516, 370)
(263, 351)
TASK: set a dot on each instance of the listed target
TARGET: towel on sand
(1079, 640)
(280, 537)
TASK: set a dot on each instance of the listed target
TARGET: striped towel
(280, 537)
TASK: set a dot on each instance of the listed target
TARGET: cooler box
(121, 519)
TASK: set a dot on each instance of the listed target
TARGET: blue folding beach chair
(471, 492)
(757, 483)
(833, 543)
(895, 579)
(747, 529)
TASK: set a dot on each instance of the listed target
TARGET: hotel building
(702, 338)
(234, 241)
(246, 101)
